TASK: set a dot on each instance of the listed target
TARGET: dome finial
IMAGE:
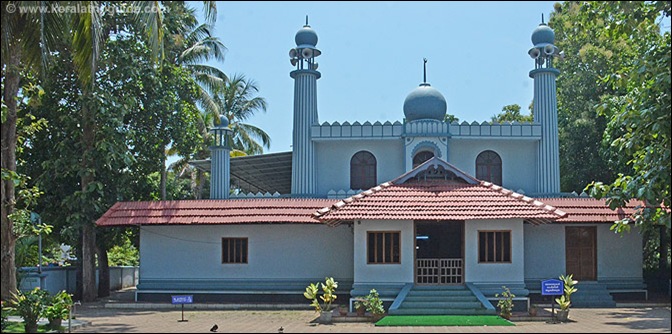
(307, 25)
(424, 70)
(542, 19)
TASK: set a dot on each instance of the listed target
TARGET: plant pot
(506, 316)
(325, 317)
(55, 324)
(376, 317)
(360, 311)
(562, 315)
(533, 311)
(343, 311)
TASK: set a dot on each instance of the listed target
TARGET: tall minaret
(220, 160)
(305, 110)
(546, 108)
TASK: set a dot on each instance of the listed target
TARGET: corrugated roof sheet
(433, 199)
(234, 211)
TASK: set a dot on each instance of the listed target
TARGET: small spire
(424, 70)
(309, 25)
(542, 19)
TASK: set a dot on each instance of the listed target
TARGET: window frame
(244, 258)
(363, 174)
(390, 250)
(496, 256)
(489, 167)
(417, 155)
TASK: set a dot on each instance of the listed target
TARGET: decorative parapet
(253, 195)
(485, 129)
(357, 130)
(426, 128)
(341, 194)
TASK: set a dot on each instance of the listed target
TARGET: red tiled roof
(439, 200)
(238, 211)
(584, 210)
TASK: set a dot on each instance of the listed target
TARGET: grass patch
(443, 320)
(18, 327)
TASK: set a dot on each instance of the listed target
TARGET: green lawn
(443, 320)
(18, 327)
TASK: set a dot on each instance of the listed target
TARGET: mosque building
(422, 210)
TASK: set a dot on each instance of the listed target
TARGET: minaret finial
(424, 70)
(307, 20)
(542, 19)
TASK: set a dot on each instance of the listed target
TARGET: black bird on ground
(214, 328)
(281, 330)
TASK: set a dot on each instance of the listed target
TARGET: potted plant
(343, 310)
(564, 301)
(29, 306)
(374, 305)
(360, 306)
(58, 309)
(505, 303)
(533, 310)
(328, 296)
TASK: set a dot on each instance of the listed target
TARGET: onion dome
(425, 102)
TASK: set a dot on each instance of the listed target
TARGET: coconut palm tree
(237, 102)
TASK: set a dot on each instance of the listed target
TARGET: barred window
(494, 246)
(383, 247)
(234, 250)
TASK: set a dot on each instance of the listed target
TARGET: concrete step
(440, 311)
(441, 298)
(431, 293)
(441, 305)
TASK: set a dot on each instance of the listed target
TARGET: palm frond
(152, 22)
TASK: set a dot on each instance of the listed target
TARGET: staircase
(592, 294)
(437, 300)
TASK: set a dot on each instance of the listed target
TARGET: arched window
(421, 157)
(489, 167)
(363, 171)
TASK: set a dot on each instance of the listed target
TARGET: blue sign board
(183, 299)
(552, 287)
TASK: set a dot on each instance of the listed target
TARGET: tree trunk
(163, 176)
(8, 162)
(103, 272)
(663, 266)
(88, 229)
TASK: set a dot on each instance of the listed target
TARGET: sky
(372, 56)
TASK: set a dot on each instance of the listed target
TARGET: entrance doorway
(581, 252)
(439, 252)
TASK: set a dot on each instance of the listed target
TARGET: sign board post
(552, 287)
(182, 299)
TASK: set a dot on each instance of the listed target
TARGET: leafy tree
(450, 118)
(639, 122)
(511, 113)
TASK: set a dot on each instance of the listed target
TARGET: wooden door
(581, 252)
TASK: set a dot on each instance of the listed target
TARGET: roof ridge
(521, 197)
(321, 212)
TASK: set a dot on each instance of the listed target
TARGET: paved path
(101, 319)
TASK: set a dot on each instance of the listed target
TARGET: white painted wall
(475, 272)
(519, 166)
(384, 273)
(333, 161)
(280, 251)
(618, 257)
